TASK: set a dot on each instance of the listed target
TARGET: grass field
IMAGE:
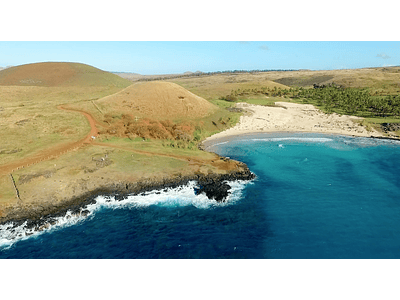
(385, 80)
(213, 87)
(30, 120)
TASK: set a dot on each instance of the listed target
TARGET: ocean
(314, 196)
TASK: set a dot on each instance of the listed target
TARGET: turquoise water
(324, 196)
(315, 196)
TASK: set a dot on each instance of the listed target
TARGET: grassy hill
(29, 96)
(57, 74)
(156, 100)
(157, 110)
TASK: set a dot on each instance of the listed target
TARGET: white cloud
(263, 47)
(383, 55)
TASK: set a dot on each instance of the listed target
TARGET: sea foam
(173, 197)
(303, 139)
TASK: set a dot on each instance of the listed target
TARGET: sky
(171, 57)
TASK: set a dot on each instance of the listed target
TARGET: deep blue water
(315, 196)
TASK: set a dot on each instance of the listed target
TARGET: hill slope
(157, 100)
(52, 74)
(215, 86)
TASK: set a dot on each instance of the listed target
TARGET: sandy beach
(293, 117)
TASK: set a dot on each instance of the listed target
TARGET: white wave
(367, 142)
(316, 140)
(10, 234)
(179, 196)
(218, 144)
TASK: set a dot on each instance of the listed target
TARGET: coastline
(37, 216)
(283, 118)
(287, 117)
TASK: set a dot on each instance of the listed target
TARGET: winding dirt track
(54, 152)
(57, 151)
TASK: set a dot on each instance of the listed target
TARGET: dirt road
(54, 151)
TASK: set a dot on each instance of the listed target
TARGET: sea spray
(185, 195)
(11, 233)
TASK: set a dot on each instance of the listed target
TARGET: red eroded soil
(55, 151)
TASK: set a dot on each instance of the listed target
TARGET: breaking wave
(302, 139)
(11, 233)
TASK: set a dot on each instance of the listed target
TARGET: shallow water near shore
(315, 196)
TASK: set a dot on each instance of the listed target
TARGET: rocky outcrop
(37, 216)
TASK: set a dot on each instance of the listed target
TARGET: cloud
(383, 55)
(244, 42)
(263, 47)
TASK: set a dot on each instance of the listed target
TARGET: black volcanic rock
(213, 185)
(214, 189)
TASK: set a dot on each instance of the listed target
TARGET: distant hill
(52, 74)
(139, 77)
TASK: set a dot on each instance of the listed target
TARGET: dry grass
(378, 79)
(96, 166)
(157, 110)
(156, 100)
(213, 87)
(59, 74)
(29, 118)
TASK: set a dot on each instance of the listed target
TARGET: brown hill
(52, 74)
(156, 100)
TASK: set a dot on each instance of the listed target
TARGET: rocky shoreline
(38, 217)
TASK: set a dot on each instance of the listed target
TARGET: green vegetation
(351, 101)
(262, 92)
(331, 98)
